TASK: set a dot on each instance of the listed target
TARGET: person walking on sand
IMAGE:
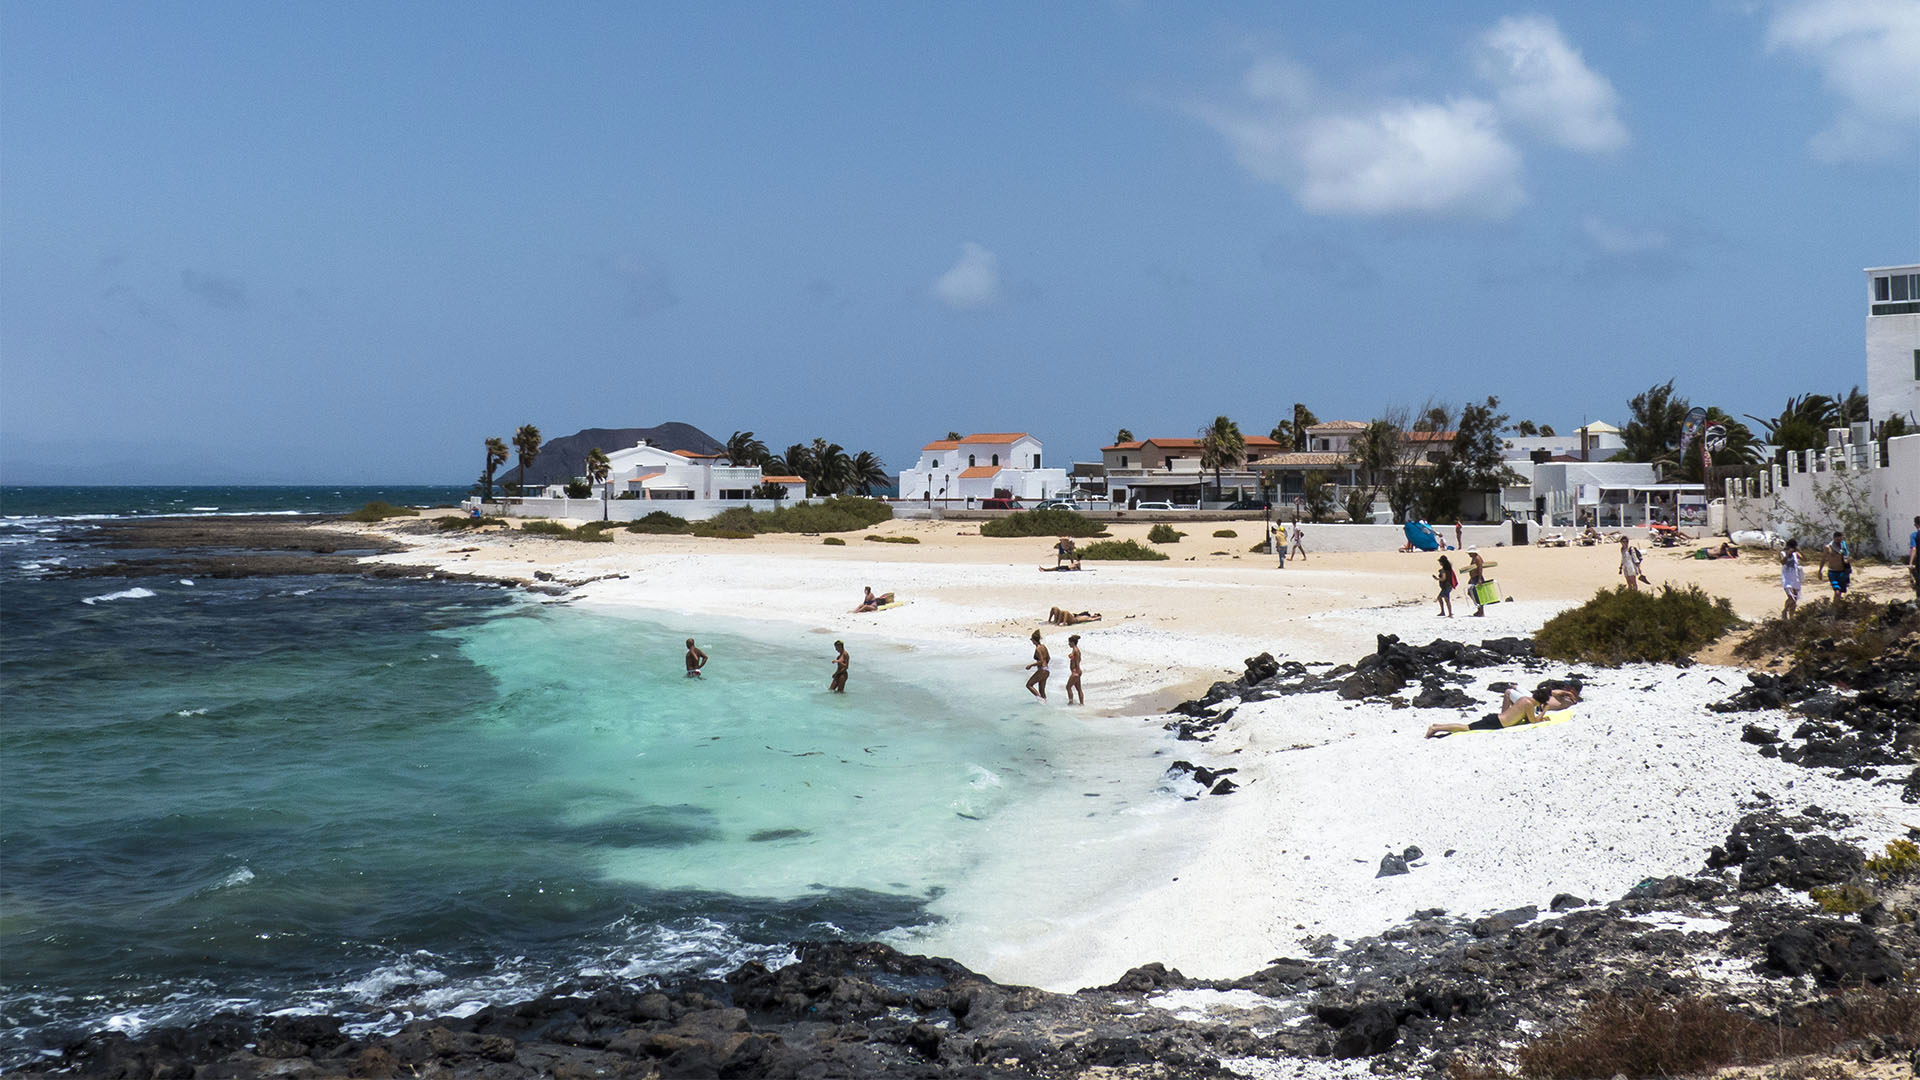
(838, 684)
(1037, 682)
(1476, 576)
(1792, 574)
(696, 659)
(1629, 564)
(1448, 580)
(1280, 544)
(1913, 556)
(1837, 560)
(1064, 552)
(1459, 535)
(1299, 541)
(1073, 670)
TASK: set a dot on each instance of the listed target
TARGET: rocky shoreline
(1740, 938)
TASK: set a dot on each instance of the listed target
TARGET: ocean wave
(237, 878)
(135, 593)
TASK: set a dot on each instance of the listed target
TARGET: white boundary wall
(1892, 492)
(620, 509)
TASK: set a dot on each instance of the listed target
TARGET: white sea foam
(135, 593)
(186, 581)
(238, 877)
(190, 712)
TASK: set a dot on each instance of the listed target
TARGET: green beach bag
(1487, 592)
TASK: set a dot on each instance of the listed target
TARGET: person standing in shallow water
(1073, 670)
(696, 659)
(838, 684)
(1037, 682)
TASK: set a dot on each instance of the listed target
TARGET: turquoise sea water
(387, 799)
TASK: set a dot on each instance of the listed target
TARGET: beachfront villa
(1329, 453)
(1596, 441)
(1168, 469)
(1893, 342)
(649, 472)
(984, 465)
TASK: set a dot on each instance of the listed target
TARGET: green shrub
(593, 532)
(1260, 548)
(454, 524)
(1122, 550)
(380, 511)
(1225, 534)
(891, 539)
(842, 513)
(1043, 523)
(1164, 534)
(1861, 630)
(712, 533)
(1902, 859)
(1625, 626)
(1843, 899)
(579, 489)
(660, 523)
(833, 541)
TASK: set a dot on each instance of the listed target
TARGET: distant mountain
(564, 458)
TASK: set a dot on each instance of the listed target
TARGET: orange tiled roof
(943, 444)
(996, 437)
(783, 479)
(1427, 436)
(980, 472)
(691, 454)
(1253, 442)
(1122, 446)
(1303, 457)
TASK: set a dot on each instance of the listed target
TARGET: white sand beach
(1639, 785)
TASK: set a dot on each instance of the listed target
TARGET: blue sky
(347, 242)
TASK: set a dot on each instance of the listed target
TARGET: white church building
(981, 466)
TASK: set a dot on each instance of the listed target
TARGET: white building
(1893, 343)
(981, 466)
(649, 472)
(1593, 442)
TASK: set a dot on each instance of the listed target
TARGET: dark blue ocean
(386, 799)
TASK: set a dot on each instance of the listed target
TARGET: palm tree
(1123, 435)
(832, 467)
(1653, 426)
(598, 466)
(496, 457)
(1736, 452)
(1221, 446)
(526, 443)
(744, 449)
(798, 461)
(869, 472)
(1803, 424)
(1853, 407)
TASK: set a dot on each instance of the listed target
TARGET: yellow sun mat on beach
(1560, 717)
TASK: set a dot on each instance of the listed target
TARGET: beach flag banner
(1696, 418)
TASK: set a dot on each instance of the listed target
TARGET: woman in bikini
(1037, 682)
(1516, 709)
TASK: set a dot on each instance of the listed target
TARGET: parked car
(1261, 505)
(1159, 505)
(1060, 504)
(1000, 504)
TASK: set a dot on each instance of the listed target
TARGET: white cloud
(973, 282)
(1868, 54)
(1541, 82)
(1624, 240)
(1379, 159)
(1449, 156)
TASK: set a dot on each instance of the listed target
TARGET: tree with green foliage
(1853, 407)
(1292, 433)
(1318, 495)
(526, 443)
(1474, 461)
(1803, 424)
(1376, 451)
(1221, 447)
(833, 468)
(1526, 429)
(1654, 421)
(599, 466)
(1124, 435)
(745, 450)
(797, 461)
(953, 436)
(496, 457)
(1546, 431)
(869, 472)
(1737, 452)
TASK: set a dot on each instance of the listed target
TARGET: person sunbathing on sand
(1063, 617)
(1515, 709)
(872, 602)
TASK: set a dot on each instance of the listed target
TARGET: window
(969, 461)
(1895, 294)
(996, 459)
(1036, 461)
(1899, 287)
(936, 463)
(1123, 461)
(1916, 363)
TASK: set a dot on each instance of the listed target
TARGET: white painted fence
(1779, 495)
(620, 509)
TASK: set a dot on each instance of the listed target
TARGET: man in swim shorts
(696, 659)
(1837, 560)
(1037, 682)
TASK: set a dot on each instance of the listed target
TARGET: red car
(1000, 504)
